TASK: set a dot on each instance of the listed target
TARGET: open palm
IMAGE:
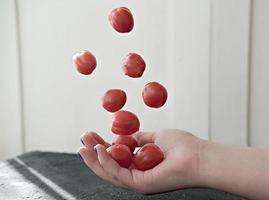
(178, 169)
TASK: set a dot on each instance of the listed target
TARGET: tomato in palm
(128, 141)
(148, 157)
(85, 62)
(124, 123)
(121, 154)
(113, 100)
(121, 19)
(154, 95)
(133, 65)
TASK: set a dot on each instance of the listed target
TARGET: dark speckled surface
(46, 175)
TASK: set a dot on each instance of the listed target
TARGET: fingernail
(80, 156)
(95, 150)
(82, 141)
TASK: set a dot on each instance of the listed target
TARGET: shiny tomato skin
(113, 100)
(148, 157)
(127, 140)
(121, 154)
(124, 123)
(133, 65)
(121, 20)
(154, 95)
(85, 62)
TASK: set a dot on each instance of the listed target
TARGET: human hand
(179, 169)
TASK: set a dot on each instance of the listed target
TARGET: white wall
(197, 49)
(190, 36)
(10, 97)
(229, 71)
(59, 103)
(259, 90)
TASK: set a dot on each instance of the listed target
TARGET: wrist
(232, 169)
(218, 165)
(204, 148)
(194, 171)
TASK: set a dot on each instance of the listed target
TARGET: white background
(211, 56)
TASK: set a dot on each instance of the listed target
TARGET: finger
(144, 137)
(111, 167)
(90, 139)
(90, 159)
(100, 140)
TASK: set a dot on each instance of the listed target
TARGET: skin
(189, 162)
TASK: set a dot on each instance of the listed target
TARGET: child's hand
(178, 169)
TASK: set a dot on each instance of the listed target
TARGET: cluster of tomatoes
(125, 123)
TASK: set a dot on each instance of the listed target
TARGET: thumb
(143, 138)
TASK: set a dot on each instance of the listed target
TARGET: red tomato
(133, 65)
(85, 62)
(148, 157)
(154, 95)
(128, 141)
(125, 123)
(121, 154)
(121, 19)
(113, 100)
